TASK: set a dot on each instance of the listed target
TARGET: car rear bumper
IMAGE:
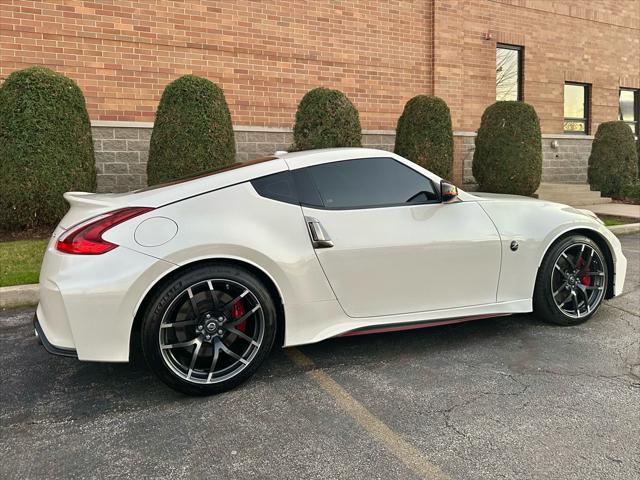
(48, 346)
(88, 302)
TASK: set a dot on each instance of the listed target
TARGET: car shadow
(434, 341)
(60, 388)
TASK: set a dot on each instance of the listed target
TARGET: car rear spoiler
(87, 199)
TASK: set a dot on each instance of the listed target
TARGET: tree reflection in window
(508, 72)
(629, 108)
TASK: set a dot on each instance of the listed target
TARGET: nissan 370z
(301, 247)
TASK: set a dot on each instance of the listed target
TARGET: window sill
(568, 135)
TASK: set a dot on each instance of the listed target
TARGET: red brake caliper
(586, 279)
(236, 312)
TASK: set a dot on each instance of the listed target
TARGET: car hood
(505, 198)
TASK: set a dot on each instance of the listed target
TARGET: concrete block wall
(466, 145)
(381, 140)
(121, 157)
(252, 144)
(122, 151)
(568, 162)
(563, 162)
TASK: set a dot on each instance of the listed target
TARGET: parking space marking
(375, 427)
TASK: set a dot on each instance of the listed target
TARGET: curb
(625, 229)
(27, 295)
(19, 296)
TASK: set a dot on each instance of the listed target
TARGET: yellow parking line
(407, 454)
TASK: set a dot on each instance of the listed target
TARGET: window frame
(306, 170)
(587, 109)
(636, 108)
(520, 50)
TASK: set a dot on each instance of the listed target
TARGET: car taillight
(86, 237)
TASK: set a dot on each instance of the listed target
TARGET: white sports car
(301, 247)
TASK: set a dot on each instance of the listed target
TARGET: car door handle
(319, 236)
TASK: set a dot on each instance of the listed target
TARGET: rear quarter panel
(237, 223)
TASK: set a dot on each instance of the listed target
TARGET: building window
(576, 107)
(508, 72)
(629, 110)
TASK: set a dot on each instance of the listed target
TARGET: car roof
(307, 158)
(247, 171)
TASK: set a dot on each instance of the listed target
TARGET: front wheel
(209, 329)
(572, 281)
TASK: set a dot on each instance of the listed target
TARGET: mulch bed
(35, 234)
(631, 201)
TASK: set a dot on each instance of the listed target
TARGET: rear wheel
(572, 281)
(209, 329)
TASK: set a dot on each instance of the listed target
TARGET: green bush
(631, 192)
(192, 131)
(325, 119)
(508, 154)
(613, 162)
(638, 153)
(424, 134)
(46, 147)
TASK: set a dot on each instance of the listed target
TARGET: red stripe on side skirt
(420, 325)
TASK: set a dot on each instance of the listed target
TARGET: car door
(388, 245)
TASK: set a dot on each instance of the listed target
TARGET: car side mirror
(448, 191)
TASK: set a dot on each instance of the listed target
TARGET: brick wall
(595, 42)
(267, 54)
(264, 54)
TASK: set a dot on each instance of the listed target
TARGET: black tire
(548, 307)
(194, 283)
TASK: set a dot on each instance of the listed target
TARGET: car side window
(364, 183)
(278, 186)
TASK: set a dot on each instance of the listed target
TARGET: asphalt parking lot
(508, 397)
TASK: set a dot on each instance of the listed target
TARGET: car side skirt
(316, 321)
(418, 325)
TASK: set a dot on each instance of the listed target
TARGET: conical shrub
(613, 163)
(192, 131)
(424, 134)
(508, 154)
(46, 147)
(326, 119)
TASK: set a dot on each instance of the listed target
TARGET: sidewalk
(615, 210)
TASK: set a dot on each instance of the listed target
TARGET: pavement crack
(452, 426)
(625, 311)
(600, 377)
(41, 422)
(448, 412)
(614, 460)
(449, 423)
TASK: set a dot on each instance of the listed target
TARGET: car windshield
(207, 173)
